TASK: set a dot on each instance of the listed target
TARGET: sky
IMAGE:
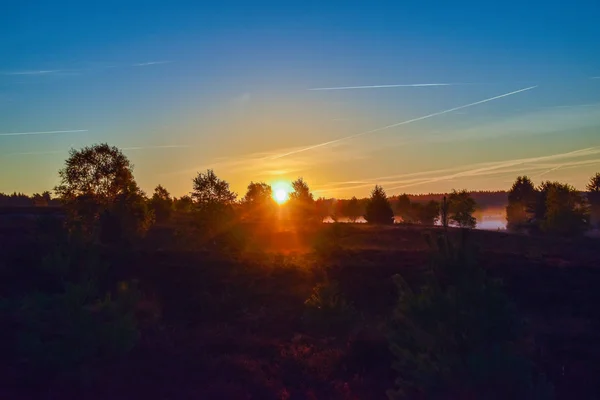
(417, 96)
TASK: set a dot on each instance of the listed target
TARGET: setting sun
(281, 196)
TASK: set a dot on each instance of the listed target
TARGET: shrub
(458, 335)
(67, 324)
(326, 310)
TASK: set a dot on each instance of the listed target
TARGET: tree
(258, 202)
(404, 208)
(429, 213)
(96, 188)
(444, 212)
(322, 208)
(462, 207)
(566, 212)
(593, 195)
(521, 204)
(127, 218)
(301, 202)
(379, 210)
(100, 171)
(213, 205)
(183, 204)
(209, 189)
(161, 203)
(352, 209)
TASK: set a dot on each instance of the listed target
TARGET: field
(234, 325)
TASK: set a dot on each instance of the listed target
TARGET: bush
(67, 324)
(326, 310)
(458, 335)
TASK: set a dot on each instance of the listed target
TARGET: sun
(281, 196)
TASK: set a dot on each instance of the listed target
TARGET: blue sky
(183, 86)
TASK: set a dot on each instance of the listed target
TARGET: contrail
(41, 133)
(145, 64)
(169, 146)
(385, 86)
(41, 72)
(400, 123)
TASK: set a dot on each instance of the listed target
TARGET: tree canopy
(209, 189)
(462, 207)
(100, 171)
(379, 210)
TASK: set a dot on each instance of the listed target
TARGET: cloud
(387, 86)
(146, 64)
(168, 146)
(402, 123)
(34, 153)
(40, 72)
(514, 166)
(42, 133)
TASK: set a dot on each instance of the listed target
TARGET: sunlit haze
(421, 97)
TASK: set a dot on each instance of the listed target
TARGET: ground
(233, 326)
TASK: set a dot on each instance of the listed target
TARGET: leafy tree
(258, 202)
(379, 210)
(521, 202)
(99, 171)
(210, 190)
(593, 188)
(405, 209)
(352, 209)
(213, 205)
(161, 203)
(429, 213)
(302, 202)
(322, 208)
(462, 207)
(95, 186)
(566, 212)
(183, 204)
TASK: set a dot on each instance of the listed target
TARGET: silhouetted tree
(301, 202)
(161, 203)
(462, 207)
(322, 208)
(444, 212)
(39, 200)
(404, 208)
(379, 210)
(183, 204)
(521, 204)
(210, 190)
(258, 203)
(429, 213)
(352, 209)
(99, 171)
(94, 185)
(566, 212)
(593, 188)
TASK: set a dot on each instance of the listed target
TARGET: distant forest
(484, 199)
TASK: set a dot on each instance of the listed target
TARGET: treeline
(102, 199)
(22, 200)
(553, 207)
(484, 199)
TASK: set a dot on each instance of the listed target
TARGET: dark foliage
(379, 210)
(457, 336)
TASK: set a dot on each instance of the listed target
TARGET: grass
(234, 324)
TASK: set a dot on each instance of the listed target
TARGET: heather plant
(458, 335)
